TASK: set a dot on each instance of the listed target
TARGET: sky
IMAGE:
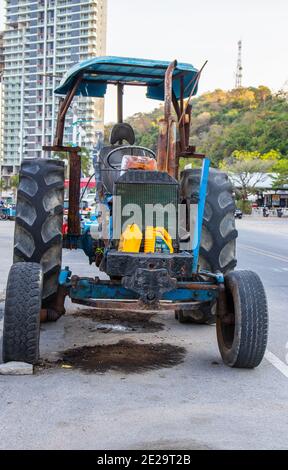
(194, 31)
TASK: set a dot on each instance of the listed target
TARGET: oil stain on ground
(124, 356)
(121, 321)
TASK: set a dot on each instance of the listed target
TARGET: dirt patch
(121, 321)
(124, 356)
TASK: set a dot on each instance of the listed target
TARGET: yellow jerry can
(131, 239)
(157, 240)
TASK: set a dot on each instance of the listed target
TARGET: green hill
(249, 119)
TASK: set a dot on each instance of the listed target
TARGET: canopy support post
(120, 90)
(63, 108)
(166, 155)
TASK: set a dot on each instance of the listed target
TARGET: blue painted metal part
(87, 245)
(200, 213)
(219, 277)
(99, 71)
(189, 295)
(64, 276)
(90, 290)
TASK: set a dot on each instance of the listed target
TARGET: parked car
(8, 212)
(238, 214)
(85, 207)
(90, 198)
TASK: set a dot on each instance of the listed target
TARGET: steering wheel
(128, 147)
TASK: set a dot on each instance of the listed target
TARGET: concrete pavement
(197, 404)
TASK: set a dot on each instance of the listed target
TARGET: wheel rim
(227, 323)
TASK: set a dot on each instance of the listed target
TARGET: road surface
(196, 404)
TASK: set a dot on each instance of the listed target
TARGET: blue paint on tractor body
(86, 289)
(200, 212)
(98, 72)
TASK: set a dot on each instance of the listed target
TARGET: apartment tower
(42, 40)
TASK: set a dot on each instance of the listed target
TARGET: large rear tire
(39, 218)
(242, 332)
(22, 313)
(218, 241)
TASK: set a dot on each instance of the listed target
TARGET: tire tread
(22, 313)
(45, 178)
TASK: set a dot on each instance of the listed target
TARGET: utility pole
(238, 81)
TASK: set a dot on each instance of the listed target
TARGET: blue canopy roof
(100, 71)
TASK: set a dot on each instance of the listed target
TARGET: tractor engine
(148, 200)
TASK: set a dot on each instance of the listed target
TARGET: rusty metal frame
(74, 161)
(183, 113)
(166, 151)
(64, 106)
(169, 151)
(120, 92)
(136, 305)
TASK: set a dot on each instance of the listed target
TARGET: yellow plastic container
(157, 240)
(131, 239)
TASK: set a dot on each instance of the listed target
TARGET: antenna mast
(238, 82)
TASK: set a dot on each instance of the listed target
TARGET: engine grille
(146, 189)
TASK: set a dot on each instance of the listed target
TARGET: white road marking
(263, 252)
(276, 362)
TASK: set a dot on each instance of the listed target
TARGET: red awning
(83, 183)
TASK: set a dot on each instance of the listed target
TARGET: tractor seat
(119, 133)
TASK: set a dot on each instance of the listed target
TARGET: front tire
(22, 313)
(242, 332)
(3, 216)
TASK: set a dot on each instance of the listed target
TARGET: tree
(280, 173)
(86, 162)
(247, 169)
(3, 185)
(250, 119)
(13, 184)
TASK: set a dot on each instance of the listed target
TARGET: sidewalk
(272, 213)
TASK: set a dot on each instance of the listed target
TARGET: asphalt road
(197, 404)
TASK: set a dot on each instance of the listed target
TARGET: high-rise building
(42, 40)
(1, 53)
(1, 74)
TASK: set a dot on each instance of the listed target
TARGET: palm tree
(13, 184)
(3, 185)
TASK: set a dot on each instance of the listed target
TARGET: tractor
(166, 238)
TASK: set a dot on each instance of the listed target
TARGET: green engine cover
(146, 198)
